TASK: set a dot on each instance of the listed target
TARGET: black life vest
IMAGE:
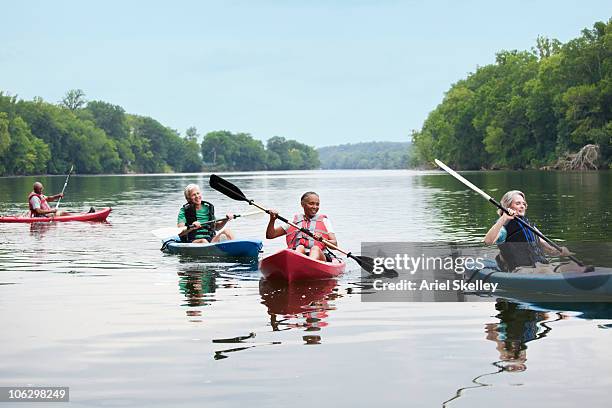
(208, 230)
(521, 248)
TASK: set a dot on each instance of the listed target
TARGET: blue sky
(321, 72)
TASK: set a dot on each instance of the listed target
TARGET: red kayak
(292, 266)
(98, 216)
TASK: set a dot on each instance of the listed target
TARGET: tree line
(226, 151)
(370, 155)
(37, 137)
(528, 109)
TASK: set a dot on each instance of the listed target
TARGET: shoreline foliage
(528, 108)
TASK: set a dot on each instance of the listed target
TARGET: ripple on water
(147, 329)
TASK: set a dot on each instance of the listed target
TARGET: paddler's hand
(318, 236)
(273, 214)
(509, 216)
(230, 216)
(565, 252)
(196, 225)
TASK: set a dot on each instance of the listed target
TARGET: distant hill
(371, 155)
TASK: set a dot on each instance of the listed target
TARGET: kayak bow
(292, 266)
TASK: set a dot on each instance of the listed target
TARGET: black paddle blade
(225, 187)
(367, 264)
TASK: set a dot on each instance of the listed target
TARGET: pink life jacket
(43, 203)
(295, 237)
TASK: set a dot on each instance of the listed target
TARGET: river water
(98, 308)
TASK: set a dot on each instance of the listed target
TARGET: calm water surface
(98, 308)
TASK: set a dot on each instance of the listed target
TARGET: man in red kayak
(318, 224)
(193, 219)
(38, 203)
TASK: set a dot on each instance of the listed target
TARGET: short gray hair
(189, 189)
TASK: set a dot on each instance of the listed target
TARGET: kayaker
(38, 203)
(196, 212)
(520, 250)
(318, 224)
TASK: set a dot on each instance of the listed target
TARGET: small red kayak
(96, 216)
(292, 266)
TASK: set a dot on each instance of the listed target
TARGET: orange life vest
(43, 203)
(295, 237)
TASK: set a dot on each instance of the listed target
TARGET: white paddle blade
(163, 233)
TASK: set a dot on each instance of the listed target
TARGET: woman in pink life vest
(38, 203)
(318, 224)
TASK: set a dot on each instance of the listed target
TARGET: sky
(320, 72)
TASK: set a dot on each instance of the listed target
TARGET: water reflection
(39, 229)
(520, 323)
(517, 326)
(580, 310)
(198, 282)
(197, 285)
(221, 354)
(299, 305)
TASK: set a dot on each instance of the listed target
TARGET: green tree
(292, 155)
(23, 153)
(224, 150)
(192, 134)
(113, 121)
(528, 108)
(74, 99)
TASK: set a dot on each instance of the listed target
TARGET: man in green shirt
(193, 219)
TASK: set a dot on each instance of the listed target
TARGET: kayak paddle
(64, 189)
(163, 233)
(225, 187)
(498, 205)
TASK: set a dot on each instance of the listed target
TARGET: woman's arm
(221, 223)
(332, 238)
(550, 250)
(493, 232)
(196, 225)
(273, 231)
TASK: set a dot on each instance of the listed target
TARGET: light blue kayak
(237, 248)
(566, 286)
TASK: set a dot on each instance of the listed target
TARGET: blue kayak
(237, 248)
(565, 286)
